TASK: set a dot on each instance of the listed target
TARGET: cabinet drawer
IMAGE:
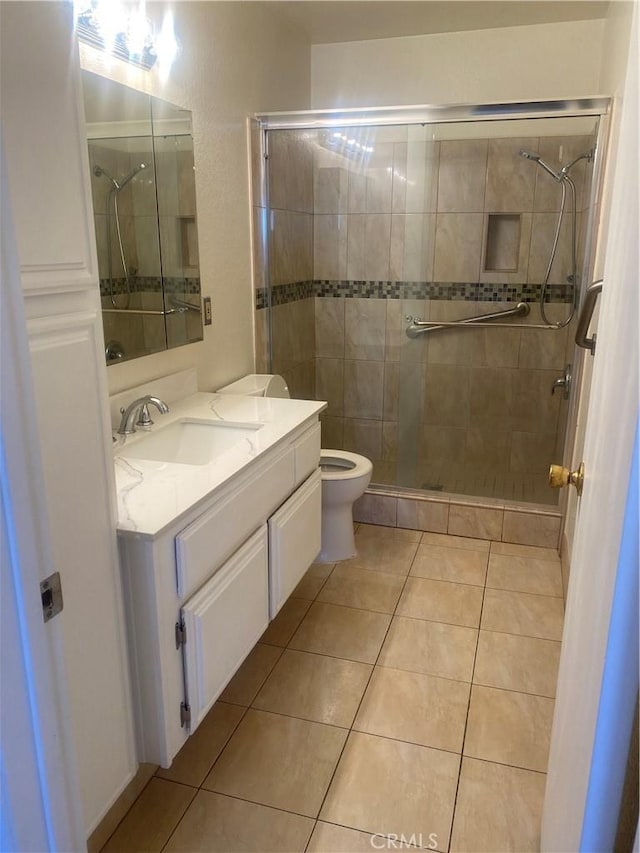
(307, 453)
(223, 620)
(205, 544)
(294, 540)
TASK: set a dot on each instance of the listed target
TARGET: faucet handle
(563, 382)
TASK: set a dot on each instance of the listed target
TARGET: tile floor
(408, 692)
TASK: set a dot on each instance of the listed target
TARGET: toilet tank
(258, 385)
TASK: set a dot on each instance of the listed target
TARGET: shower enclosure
(373, 227)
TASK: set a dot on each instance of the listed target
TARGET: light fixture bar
(88, 30)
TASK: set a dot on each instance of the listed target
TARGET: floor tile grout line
(179, 821)
(196, 788)
(503, 764)
(257, 803)
(513, 690)
(524, 636)
(523, 592)
(239, 799)
(348, 607)
(124, 816)
(371, 664)
(262, 683)
(466, 721)
(454, 545)
(364, 693)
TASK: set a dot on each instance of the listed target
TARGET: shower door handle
(586, 315)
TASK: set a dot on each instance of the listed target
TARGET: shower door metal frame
(597, 106)
(434, 113)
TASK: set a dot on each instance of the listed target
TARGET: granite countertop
(152, 495)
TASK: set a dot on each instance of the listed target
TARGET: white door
(598, 678)
(41, 805)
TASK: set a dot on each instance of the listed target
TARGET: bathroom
(262, 62)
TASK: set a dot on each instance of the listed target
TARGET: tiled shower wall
(289, 224)
(402, 231)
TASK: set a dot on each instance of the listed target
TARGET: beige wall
(512, 63)
(236, 59)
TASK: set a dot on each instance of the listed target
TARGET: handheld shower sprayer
(557, 176)
(562, 177)
(112, 200)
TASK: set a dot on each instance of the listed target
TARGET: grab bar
(185, 306)
(586, 315)
(180, 307)
(422, 327)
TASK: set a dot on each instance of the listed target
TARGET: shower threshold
(440, 512)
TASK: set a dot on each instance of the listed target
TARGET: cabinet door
(294, 540)
(223, 620)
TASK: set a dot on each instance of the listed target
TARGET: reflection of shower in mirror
(144, 206)
(117, 186)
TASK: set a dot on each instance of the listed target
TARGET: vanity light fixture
(126, 32)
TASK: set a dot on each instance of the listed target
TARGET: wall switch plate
(207, 310)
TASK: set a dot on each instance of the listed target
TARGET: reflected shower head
(98, 171)
(557, 176)
(132, 174)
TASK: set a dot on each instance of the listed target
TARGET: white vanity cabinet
(200, 593)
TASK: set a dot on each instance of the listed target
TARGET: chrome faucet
(564, 382)
(137, 414)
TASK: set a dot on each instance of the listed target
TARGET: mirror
(144, 206)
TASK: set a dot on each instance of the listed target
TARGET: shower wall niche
(369, 227)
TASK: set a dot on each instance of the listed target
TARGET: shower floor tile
(526, 488)
(349, 722)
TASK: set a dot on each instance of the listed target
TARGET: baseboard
(118, 810)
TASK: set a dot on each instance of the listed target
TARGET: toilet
(345, 476)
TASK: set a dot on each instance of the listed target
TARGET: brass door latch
(560, 476)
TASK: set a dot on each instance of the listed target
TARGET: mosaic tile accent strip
(151, 284)
(436, 290)
(282, 294)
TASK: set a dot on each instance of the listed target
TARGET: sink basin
(191, 441)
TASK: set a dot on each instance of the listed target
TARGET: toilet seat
(343, 465)
(345, 475)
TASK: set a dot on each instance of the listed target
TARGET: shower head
(528, 155)
(132, 175)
